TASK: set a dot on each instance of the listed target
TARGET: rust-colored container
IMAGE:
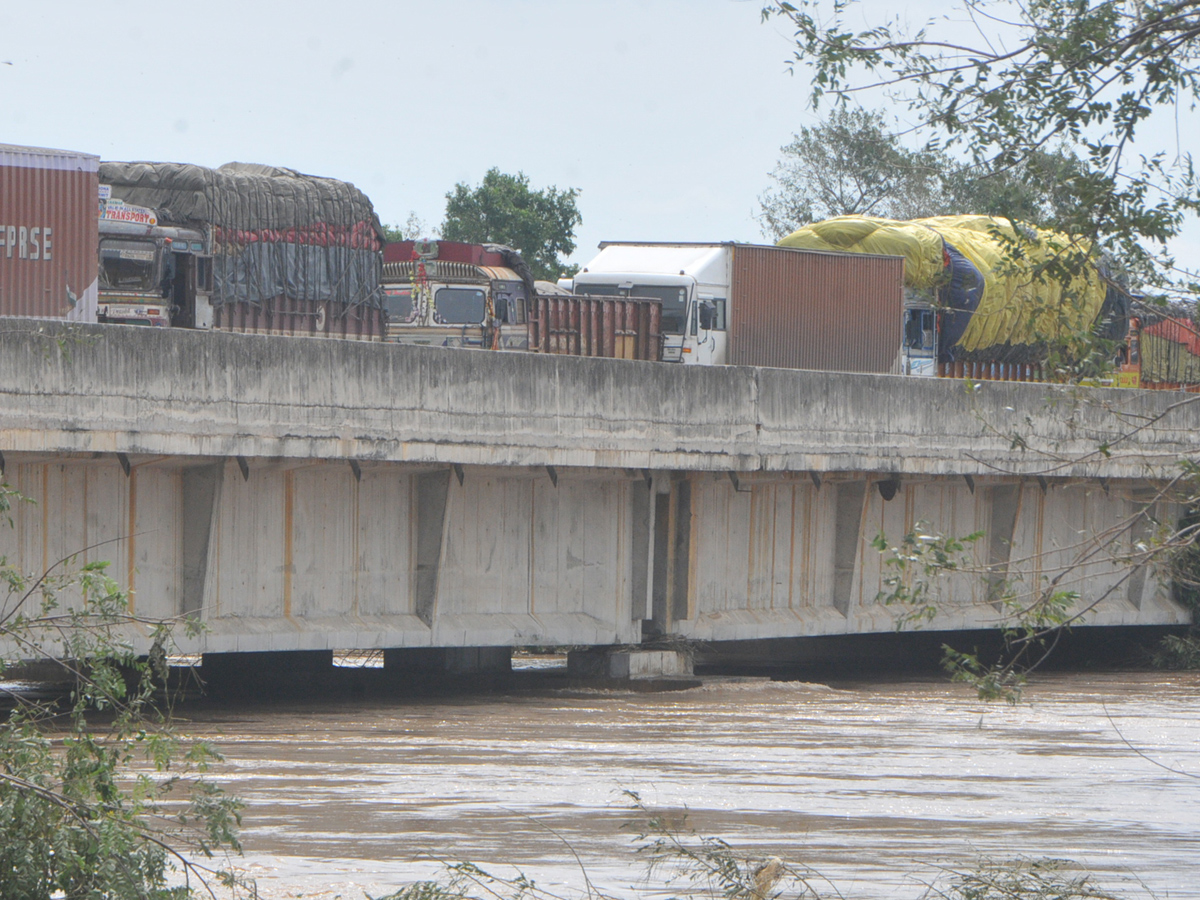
(302, 318)
(615, 327)
(805, 309)
(49, 206)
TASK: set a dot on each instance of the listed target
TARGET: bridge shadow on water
(266, 678)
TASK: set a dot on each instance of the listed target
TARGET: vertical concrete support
(474, 660)
(681, 549)
(267, 672)
(629, 665)
(660, 561)
(1005, 502)
(1142, 513)
(448, 660)
(641, 531)
(200, 487)
(671, 554)
(430, 514)
(847, 533)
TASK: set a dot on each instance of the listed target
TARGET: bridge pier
(629, 663)
(448, 660)
(267, 673)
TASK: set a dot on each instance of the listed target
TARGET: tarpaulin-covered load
(278, 236)
(1170, 351)
(993, 308)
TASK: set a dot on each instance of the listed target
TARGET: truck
(243, 247)
(751, 304)
(454, 294)
(976, 309)
(483, 296)
(151, 274)
(240, 248)
(931, 297)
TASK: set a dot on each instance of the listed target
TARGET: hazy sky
(666, 114)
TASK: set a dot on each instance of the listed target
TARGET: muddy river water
(873, 785)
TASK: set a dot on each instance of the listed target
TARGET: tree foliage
(854, 164)
(1015, 79)
(1006, 83)
(849, 165)
(100, 798)
(504, 209)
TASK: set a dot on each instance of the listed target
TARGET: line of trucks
(260, 249)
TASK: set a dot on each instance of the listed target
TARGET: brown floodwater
(875, 786)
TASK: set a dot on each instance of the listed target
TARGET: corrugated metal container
(302, 318)
(615, 327)
(48, 233)
(805, 309)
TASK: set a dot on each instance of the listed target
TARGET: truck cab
(919, 342)
(152, 274)
(450, 294)
(691, 280)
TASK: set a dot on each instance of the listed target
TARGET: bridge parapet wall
(172, 392)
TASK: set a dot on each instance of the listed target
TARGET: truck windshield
(129, 265)
(459, 306)
(920, 330)
(399, 304)
(673, 297)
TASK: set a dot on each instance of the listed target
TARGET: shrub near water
(85, 781)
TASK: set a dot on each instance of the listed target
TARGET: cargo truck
(748, 304)
(483, 296)
(980, 310)
(243, 247)
(858, 294)
(151, 274)
(452, 294)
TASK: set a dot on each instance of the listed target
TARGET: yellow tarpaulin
(1017, 307)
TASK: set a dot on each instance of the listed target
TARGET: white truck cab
(691, 280)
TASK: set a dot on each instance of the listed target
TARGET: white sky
(666, 114)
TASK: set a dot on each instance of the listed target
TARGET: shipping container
(833, 312)
(48, 233)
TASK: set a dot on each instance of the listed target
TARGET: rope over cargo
(276, 233)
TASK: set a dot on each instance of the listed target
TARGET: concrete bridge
(311, 495)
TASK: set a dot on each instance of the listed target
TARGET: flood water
(873, 785)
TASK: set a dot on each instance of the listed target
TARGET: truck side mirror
(707, 311)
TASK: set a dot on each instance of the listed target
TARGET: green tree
(1036, 190)
(100, 798)
(852, 164)
(1031, 77)
(504, 209)
(1002, 83)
